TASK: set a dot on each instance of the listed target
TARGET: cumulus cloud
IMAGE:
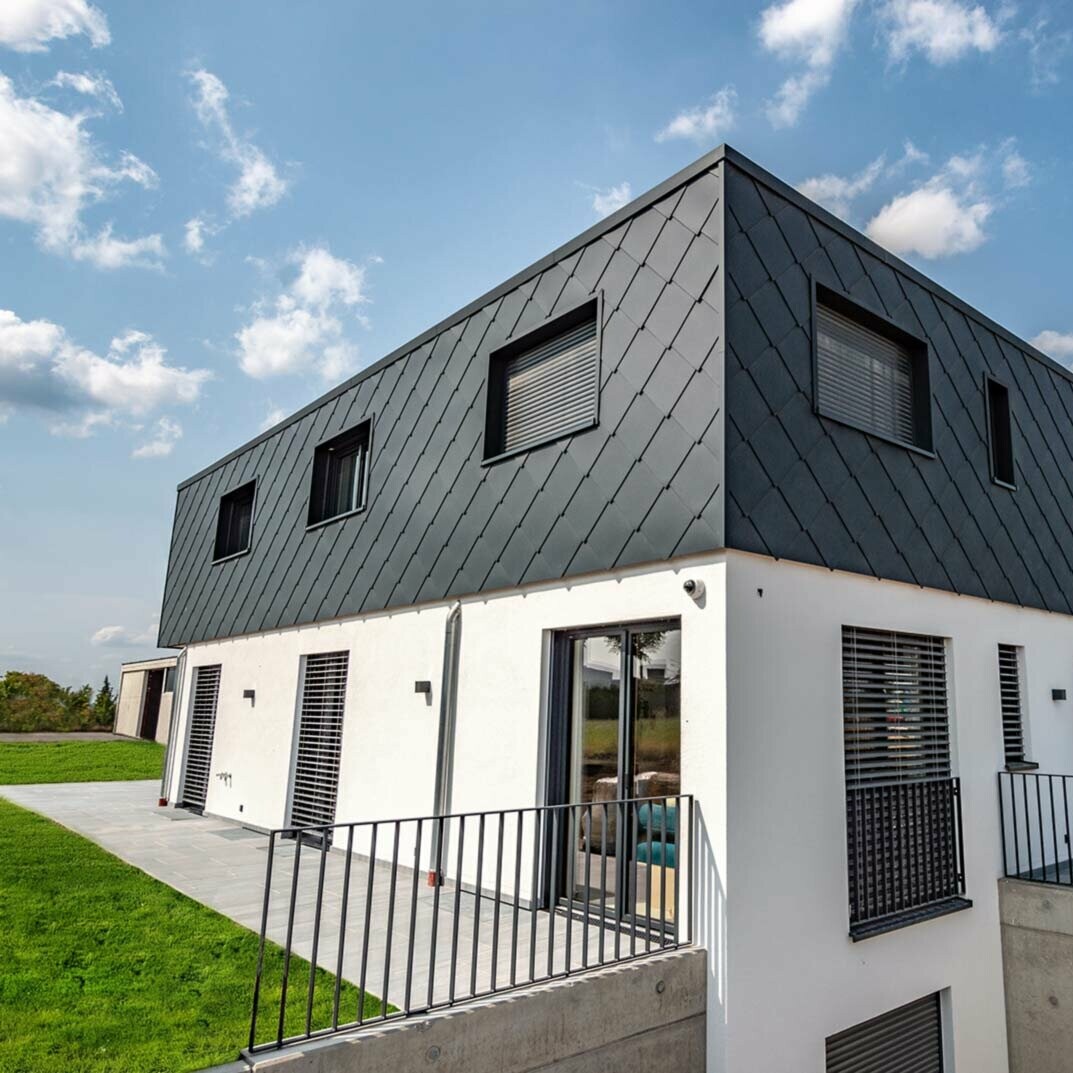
(606, 200)
(29, 25)
(1058, 344)
(302, 329)
(942, 30)
(166, 435)
(258, 184)
(53, 171)
(122, 637)
(89, 85)
(947, 214)
(43, 370)
(708, 122)
(809, 33)
(838, 192)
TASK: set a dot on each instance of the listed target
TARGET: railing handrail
(570, 851)
(1026, 819)
(432, 817)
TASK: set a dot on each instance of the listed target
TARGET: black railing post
(261, 940)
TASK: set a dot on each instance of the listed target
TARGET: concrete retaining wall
(633, 1018)
(1037, 957)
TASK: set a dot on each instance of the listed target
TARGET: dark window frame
(999, 438)
(321, 473)
(499, 357)
(919, 352)
(222, 555)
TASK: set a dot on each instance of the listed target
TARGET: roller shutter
(202, 731)
(906, 1040)
(1009, 675)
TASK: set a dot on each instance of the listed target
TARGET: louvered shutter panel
(906, 1040)
(1009, 674)
(864, 378)
(202, 731)
(551, 389)
(895, 707)
(320, 739)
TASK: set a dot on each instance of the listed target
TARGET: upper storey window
(235, 522)
(870, 374)
(544, 385)
(1000, 434)
(340, 467)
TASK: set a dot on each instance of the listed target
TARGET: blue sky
(209, 213)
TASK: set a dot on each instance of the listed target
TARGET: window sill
(335, 518)
(228, 558)
(908, 918)
(1004, 484)
(1022, 765)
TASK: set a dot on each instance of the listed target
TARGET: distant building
(146, 692)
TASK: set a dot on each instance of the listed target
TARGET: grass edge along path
(104, 969)
(24, 762)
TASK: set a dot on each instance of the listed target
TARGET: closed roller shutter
(320, 739)
(895, 698)
(1009, 676)
(551, 389)
(864, 378)
(202, 730)
(906, 1040)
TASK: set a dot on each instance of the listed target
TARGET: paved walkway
(223, 866)
(63, 735)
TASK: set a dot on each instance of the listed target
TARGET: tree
(104, 705)
(34, 702)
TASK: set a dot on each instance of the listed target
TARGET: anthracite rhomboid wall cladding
(705, 290)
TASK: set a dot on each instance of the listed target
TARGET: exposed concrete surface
(1037, 956)
(632, 1018)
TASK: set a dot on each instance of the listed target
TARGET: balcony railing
(1035, 810)
(402, 917)
(906, 858)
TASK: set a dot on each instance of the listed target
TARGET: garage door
(202, 729)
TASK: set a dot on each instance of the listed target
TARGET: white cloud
(122, 637)
(194, 235)
(274, 416)
(42, 369)
(708, 122)
(29, 25)
(165, 436)
(606, 200)
(51, 171)
(301, 329)
(89, 85)
(258, 185)
(836, 192)
(1047, 49)
(1058, 344)
(1015, 170)
(943, 30)
(807, 32)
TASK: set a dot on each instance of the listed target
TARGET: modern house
(146, 693)
(721, 504)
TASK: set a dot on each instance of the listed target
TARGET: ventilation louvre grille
(320, 739)
(552, 389)
(906, 1040)
(1009, 676)
(863, 378)
(202, 731)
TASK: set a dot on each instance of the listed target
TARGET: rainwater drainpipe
(169, 745)
(445, 743)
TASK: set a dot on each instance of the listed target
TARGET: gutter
(445, 742)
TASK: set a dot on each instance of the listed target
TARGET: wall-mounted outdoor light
(250, 695)
(423, 687)
(1058, 694)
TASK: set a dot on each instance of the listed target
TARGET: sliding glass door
(617, 737)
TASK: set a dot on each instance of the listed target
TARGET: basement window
(235, 523)
(870, 375)
(340, 468)
(906, 1040)
(544, 385)
(1000, 434)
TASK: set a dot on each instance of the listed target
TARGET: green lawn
(79, 761)
(106, 970)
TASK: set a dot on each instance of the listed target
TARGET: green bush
(30, 702)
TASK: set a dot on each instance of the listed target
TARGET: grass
(79, 761)
(105, 970)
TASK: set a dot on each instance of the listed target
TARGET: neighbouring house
(146, 694)
(718, 505)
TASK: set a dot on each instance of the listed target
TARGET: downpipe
(445, 742)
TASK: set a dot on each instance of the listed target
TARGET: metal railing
(905, 848)
(1034, 812)
(402, 917)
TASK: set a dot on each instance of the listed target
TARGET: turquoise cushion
(657, 853)
(655, 825)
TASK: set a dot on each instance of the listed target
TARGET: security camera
(694, 588)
